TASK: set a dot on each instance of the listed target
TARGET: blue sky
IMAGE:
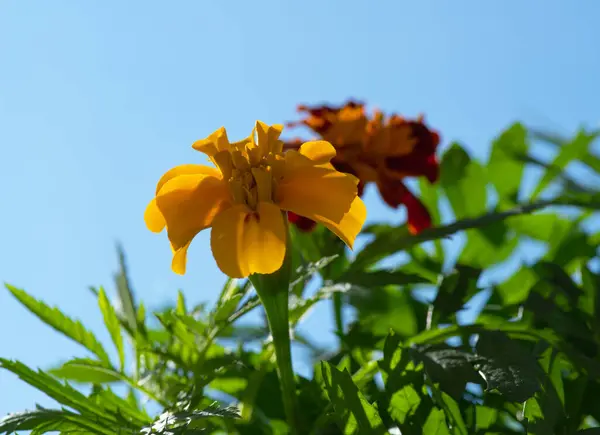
(98, 99)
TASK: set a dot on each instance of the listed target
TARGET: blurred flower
(378, 149)
(243, 199)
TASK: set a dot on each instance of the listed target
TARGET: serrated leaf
(126, 294)
(299, 307)
(46, 420)
(59, 321)
(227, 308)
(111, 321)
(87, 371)
(62, 393)
(188, 422)
(358, 415)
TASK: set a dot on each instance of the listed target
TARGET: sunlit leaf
(358, 415)
(56, 319)
(86, 370)
(112, 324)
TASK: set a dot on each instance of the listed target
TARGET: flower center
(252, 177)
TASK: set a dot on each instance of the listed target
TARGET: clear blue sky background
(98, 99)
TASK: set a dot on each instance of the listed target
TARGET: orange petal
(325, 196)
(189, 203)
(244, 242)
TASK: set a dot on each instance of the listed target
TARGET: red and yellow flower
(376, 149)
(245, 197)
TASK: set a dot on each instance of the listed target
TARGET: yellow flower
(245, 197)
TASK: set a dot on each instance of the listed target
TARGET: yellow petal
(349, 227)
(214, 143)
(186, 170)
(244, 242)
(319, 151)
(189, 203)
(268, 137)
(180, 259)
(154, 219)
(152, 216)
(325, 196)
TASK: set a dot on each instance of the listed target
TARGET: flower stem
(273, 291)
(276, 308)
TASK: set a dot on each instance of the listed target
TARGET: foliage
(527, 361)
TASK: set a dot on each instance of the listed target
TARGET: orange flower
(245, 197)
(377, 149)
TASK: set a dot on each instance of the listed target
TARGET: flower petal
(352, 222)
(394, 193)
(186, 170)
(180, 259)
(152, 216)
(319, 151)
(154, 219)
(189, 203)
(244, 241)
(325, 196)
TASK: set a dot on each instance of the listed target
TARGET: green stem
(273, 292)
(276, 308)
(338, 315)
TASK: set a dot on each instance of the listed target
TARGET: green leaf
(299, 307)
(62, 393)
(389, 240)
(589, 431)
(180, 307)
(359, 416)
(436, 423)
(227, 307)
(454, 291)
(464, 182)
(105, 398)
(188, 422)
(380, 278)
(126, 294)
(576, 149)
(112, 325)
(61, 323)
(561, 280)
(504, 169)
(45, 420)
(507, 366)
(429, 194)
(448, 366)
(87, 371)
(540, 226)
(310, 269)
(489, 245)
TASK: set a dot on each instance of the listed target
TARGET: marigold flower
(245, 197)
(377, 149)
